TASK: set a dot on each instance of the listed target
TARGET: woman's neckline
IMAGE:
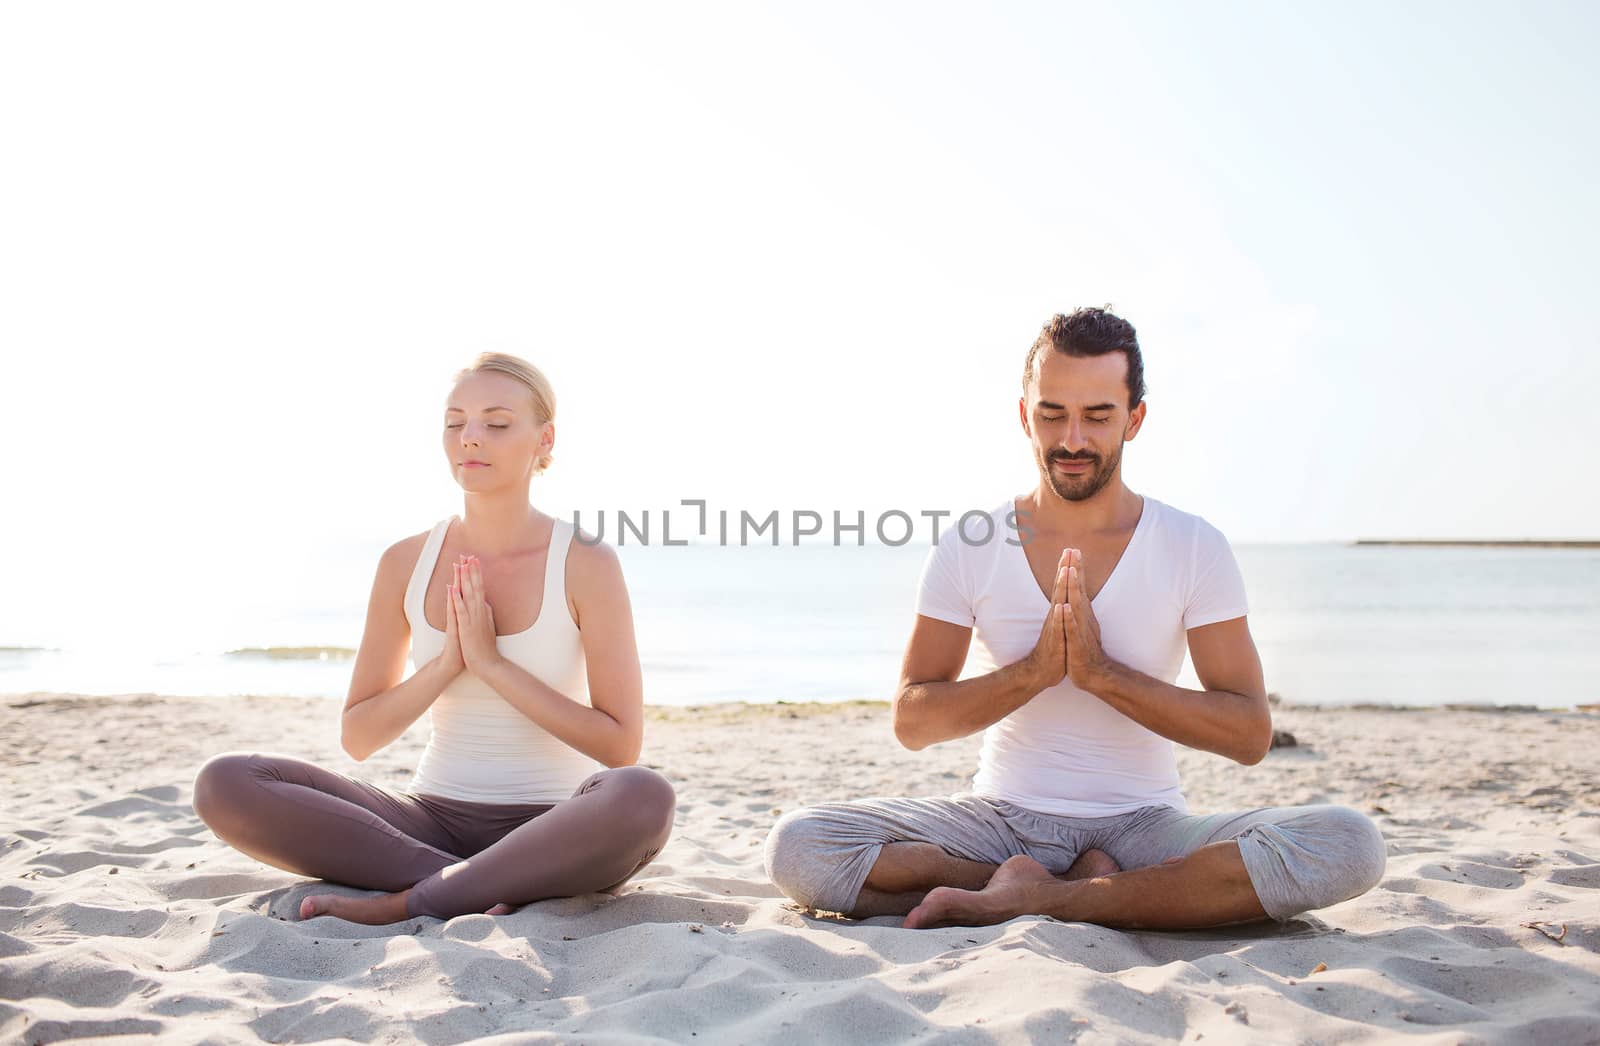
(544, 596)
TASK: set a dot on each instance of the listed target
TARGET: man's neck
(1113, 507)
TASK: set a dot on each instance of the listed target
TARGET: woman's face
(492, 436)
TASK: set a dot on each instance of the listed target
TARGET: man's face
(1076, 415)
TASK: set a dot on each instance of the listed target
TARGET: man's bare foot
(372, 911)
(501, 909)
(1091, 864)
(1008, 895)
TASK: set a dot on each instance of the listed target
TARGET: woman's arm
(610, 729)
(380, 707)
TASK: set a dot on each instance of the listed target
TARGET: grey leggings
(1298, 857)
(455, 856)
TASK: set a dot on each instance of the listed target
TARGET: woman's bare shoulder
(400, 558)
(595, 588)
(593, 561)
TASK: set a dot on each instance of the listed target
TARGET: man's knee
(792, 854)
(1360, 843)
(1326, 855)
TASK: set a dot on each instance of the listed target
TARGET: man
(1082, 601)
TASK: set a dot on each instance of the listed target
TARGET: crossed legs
(315, 822)
(905, 872)
(970, 861)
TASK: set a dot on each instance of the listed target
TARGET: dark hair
(1091, 332)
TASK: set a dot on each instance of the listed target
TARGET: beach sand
(121, 914)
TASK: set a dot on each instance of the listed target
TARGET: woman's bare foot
(1007, 896)
(372, 911)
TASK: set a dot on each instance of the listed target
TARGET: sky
(785, 256)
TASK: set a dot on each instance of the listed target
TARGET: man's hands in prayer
(1086, 658)
(1048, 659)
(1069, 643)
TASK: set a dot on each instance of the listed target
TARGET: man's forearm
(927, 713)
(1238, 726)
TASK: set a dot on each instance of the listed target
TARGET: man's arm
(1229, 717)
(931, 706)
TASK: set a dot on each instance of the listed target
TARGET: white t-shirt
(1067, 752)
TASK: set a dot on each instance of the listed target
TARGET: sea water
(1335, 624)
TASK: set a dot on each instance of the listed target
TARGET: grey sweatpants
(1298, 857)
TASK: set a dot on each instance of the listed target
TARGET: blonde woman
(525, 658)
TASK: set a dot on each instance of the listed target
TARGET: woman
(532, 680)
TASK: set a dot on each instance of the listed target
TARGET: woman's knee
(219, 786)
(643, 797)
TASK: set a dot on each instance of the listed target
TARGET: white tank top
(480, 748)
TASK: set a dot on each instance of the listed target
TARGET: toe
(927, 913)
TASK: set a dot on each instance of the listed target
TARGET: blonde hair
(544, 396)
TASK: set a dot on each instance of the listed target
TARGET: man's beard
(1084, 485)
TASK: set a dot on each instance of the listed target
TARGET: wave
(296, 653)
